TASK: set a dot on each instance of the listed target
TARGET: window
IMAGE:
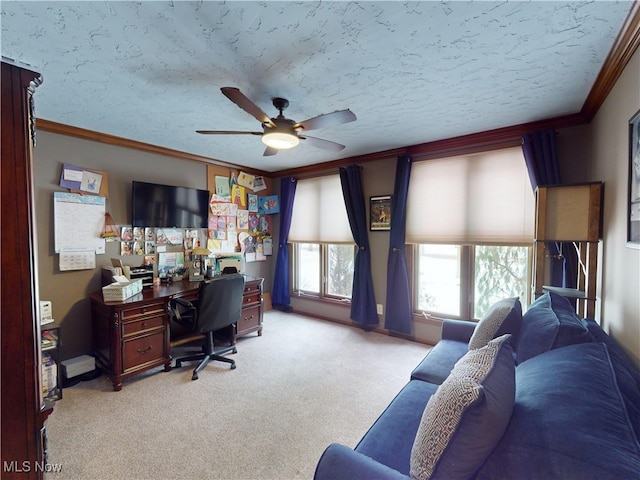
(439, 270)
(324, 270)
(446, 278)
(323, 247)
(470, 219)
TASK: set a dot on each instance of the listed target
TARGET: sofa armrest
(340, 462)
(459, 330)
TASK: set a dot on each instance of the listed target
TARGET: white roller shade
(319, 214)
(484, 198)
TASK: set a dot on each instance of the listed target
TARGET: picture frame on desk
(633, 203)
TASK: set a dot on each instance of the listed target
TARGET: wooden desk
(132, 336)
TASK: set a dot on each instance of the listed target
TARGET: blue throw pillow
(502, 317)
(466, 417)
(550, 322)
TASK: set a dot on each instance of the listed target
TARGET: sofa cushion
(504, 316)
(439, 362)
(627, 375)
(390, 438)
(568, 421)
(550, 322)
(465, 418)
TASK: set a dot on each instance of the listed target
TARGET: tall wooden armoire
(24, 411)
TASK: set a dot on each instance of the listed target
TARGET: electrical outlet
(379, 308)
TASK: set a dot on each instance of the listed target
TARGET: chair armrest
(339, 462)
(177, 316)
(182, 302)
(460, 330)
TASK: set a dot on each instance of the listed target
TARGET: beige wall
(68, 290)
(620, 282)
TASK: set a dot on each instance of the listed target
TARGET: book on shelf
(49, 339)
(49, 375)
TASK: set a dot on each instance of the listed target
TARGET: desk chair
(219, 306)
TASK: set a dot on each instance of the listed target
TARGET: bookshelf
(50, 343)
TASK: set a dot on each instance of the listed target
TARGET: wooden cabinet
(130, 337)
(252, 309)
(24, 411)
(570, 216)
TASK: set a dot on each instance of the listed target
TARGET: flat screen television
(168, 206)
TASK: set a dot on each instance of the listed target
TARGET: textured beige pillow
(503, 317)
(466, 417)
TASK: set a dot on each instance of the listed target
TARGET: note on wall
(77, 259)
(78, 222)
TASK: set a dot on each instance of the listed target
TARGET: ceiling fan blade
(320, 143)
(327, 120)
(237, 97)
(226, 132)
(269, 151)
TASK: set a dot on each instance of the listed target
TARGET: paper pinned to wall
(78, 222)
(77, 259)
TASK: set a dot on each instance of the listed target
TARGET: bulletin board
(84, 180)
(78, 222)
(240, 212)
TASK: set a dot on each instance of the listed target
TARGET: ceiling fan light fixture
(280, 140)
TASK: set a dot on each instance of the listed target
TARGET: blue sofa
(575, 413)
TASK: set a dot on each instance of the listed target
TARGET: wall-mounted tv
(168, 206)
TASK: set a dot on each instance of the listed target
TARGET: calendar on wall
(78, 222)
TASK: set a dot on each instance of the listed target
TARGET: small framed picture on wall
(633, 211)
(380, 213)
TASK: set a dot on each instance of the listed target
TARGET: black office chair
(219, 306)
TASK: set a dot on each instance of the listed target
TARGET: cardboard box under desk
(78, 365)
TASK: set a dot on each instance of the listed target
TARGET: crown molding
(624, 47)
(77, 132)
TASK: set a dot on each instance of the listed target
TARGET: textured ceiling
(412, 72)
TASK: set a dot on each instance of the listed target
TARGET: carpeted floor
(302, 385)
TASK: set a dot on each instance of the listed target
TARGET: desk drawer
(147, 310)
(252, 288)
(248, 299)
(141, 350)
(131, 328)
(249, 320)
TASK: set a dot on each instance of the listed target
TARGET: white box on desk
(78, 365)
(121, 290)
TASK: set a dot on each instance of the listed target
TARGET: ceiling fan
(282, 133)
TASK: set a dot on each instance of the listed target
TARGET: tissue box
(78, 365)
(121, 291)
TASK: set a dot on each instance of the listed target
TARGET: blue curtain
(280, 298)
(398, 316)
(541, 157)
(363, 300)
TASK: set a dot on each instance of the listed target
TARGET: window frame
(323, 295)
(467, 281)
